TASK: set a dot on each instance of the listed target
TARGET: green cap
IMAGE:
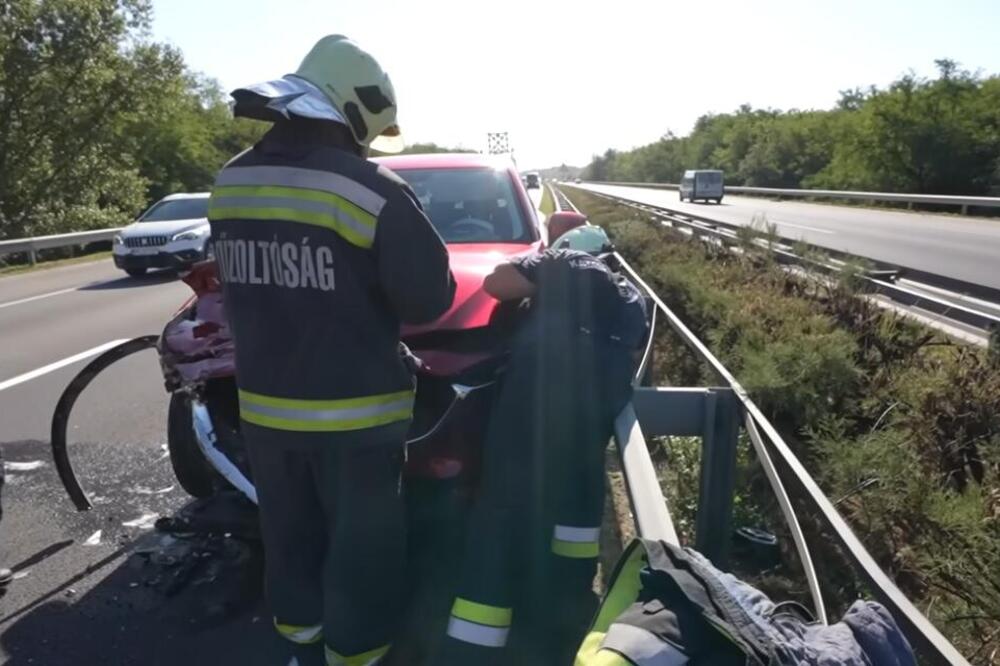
(588, 238)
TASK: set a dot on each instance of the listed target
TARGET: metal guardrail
(965, 202)
(699, 412)
(30, 246)
(881, 280)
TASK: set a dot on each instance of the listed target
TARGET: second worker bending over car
(532, 545)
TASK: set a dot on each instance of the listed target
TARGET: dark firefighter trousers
(333, 525)
(532, 543)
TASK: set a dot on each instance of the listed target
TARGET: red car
(484, 215)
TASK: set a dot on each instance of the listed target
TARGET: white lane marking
(802, 226)
(45, 369)
(23, 466)
(36, 298)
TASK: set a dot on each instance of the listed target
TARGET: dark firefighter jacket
(322, 255)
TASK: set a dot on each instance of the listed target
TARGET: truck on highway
(532, 180)
(704, 184)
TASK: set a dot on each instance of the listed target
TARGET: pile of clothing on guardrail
(668, 606)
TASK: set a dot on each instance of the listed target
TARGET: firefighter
(532, 541)
(322, 254)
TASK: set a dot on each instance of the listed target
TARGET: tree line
(917, 135)
(97, 120)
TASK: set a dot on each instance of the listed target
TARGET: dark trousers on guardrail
(533, 537)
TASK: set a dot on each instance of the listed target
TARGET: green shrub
(900, 426)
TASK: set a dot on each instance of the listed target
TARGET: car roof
(186, 195)
(444, 161)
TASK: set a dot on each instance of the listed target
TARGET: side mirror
(562, 221)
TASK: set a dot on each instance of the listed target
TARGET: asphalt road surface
(965, 248)
(104, 586)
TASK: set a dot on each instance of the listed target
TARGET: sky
(568, 79)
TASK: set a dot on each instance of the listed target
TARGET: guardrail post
(32, 258)
(965, 209)
(713, 525)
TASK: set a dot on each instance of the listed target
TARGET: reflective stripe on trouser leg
(479, 624)
(300, 634)
(369, 658)
(325, 415)
(576, 542)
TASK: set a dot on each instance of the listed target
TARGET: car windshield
(710, 177)
(470, 205)
(177, 209)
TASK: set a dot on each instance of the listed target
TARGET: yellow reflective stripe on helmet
(343, 403)
(300, 634)
(334, 658)
(494, 616)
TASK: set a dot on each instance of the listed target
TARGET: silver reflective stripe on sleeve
(641, 647)
(478, 634)
(577, 534)
(576, 542)
(312, 179)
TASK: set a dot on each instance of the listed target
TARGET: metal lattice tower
(498, 143)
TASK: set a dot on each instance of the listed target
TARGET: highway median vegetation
(917, 135)
(900, 425)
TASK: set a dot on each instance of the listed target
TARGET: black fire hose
(60, 419)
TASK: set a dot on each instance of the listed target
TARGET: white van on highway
(704, 184)
(173, 233)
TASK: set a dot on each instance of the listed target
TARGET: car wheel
(193, 472)
(135, 272)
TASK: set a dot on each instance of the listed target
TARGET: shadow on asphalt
(127, 282)
(197, 600)
(191, 598)
(41, 555)
(177, 598)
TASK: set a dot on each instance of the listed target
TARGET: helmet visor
(389, 141)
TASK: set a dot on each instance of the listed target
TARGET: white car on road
(173, 233)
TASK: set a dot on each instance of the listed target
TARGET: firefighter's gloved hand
(413, 362)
